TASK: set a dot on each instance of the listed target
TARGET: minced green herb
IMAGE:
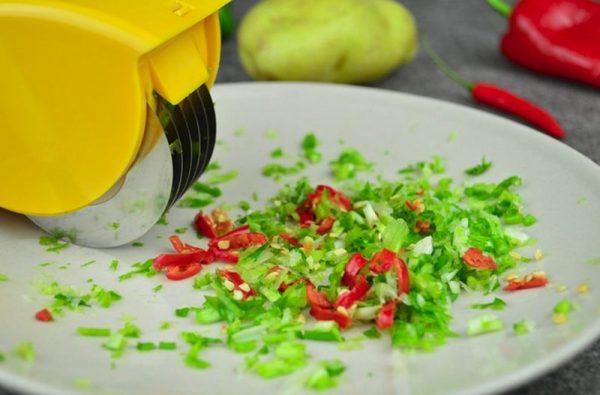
(115, 226)
(94, 332)
(4, 277)
(181, 231)
(564, 306)
(326, 375)
(167, 346)
(157, 288)
(114, 265)
(190, 201)
(277, 153)
(480, 168)
(271, 134)
(277, 171)
(88, 263)
(163, 220)
(349, 163)
(496, 304)
(372, 333)
(57, 241)
(82, 383)
(140, 269)
(484, 324)
(25, 351)
(309, 149)
(522, 327)
(2, 357)
(223, 177)
(593, 261)
(165, 325)
(212, 191)
(137, 244)
(212, 166)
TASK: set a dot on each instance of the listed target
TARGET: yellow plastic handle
(75, 80)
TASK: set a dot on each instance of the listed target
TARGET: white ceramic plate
(409, 128)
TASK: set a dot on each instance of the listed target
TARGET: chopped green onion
(496, 304)
(25, 351)
(522, 327)
(480, 168)
(565, 306)
(167, 346)
(3, 277)
(146, 346)
(94, 332)
(484, 324)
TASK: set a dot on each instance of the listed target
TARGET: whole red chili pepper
(554, 37)
(502, 99)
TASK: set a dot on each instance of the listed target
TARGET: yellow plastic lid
(76, 77)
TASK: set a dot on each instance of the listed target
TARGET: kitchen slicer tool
(106, 118)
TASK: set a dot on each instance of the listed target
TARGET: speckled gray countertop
(466, 33)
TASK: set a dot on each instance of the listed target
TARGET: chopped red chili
(423, 226)
(353, 267)
(238, 238)
(384, 260)
(322, 314)
(325, 225)
(44, 315)
(474, 258)
(238, 283)
(181, 272)
(290, 239)
(356, 294)
(316, 298)
(385, 317)
(534, 280)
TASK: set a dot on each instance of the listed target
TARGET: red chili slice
(182, 259)
(416, 206)
(181, 272)
(182, 247)
(321, 314)
(316, 298)
(205, 225)
(474, 257)
(238, 283)
(403, 277)
(44, 315)
(290, 239)
(353, 267)
(325, 225)
(225, 256)
(335, 196)
(383, 261)
(238, 238)
(356, 294)
(534, 280)
(422, 226)
(385, 317)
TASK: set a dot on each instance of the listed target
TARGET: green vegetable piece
(349, 164)
(82, 383)
(522, 327)
(372, 333)
(277, 153)
(326, 375)
(208, 189)
(394, 234)
(496, 304)
(94, 332)
(130, 330)
(117, 344)
(223, 177)
(309, 148)
(480, 168)
(168, 346)
(157, 288)
(25, 351)
(137, 244)
(146, 346)
(4, 277)
(564, 306)
(182, 312)
(114, 265)
(2, 357)
(484, 324)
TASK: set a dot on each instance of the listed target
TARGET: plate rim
(504, 382)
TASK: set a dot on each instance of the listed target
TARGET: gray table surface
(466, 33)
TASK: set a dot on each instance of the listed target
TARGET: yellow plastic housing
(76, 76)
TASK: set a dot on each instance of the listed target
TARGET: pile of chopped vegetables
(384, 256)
